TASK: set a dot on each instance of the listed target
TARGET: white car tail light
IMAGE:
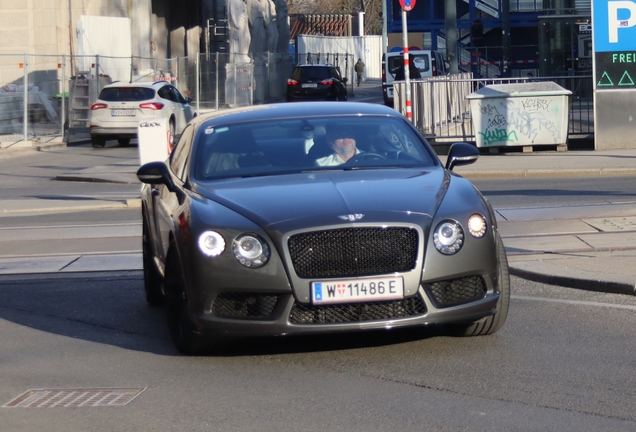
(98, 105)
(151, 105)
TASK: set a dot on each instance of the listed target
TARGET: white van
(430, 63)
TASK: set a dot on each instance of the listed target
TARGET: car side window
(163, 93)
(177, 95)
(179, 156)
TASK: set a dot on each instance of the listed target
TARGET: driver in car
(343, 145)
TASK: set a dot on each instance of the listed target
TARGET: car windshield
(123, 94)
(307, 144)
(419, 60)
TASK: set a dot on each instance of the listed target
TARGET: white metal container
(524, 114)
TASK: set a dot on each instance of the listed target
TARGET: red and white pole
(407, 77)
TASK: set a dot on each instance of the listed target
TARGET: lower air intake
(357, 312)
(457, 291)
(244, 305)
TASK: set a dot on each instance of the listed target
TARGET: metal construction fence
(38, 92)
(441, 109)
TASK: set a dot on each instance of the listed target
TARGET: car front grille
(456, 291)
(244, 305)
(357, 312)
(350, 252)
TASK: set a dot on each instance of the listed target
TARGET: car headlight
(250, 250)
(211, 243)
(448, 237)
(477, 225)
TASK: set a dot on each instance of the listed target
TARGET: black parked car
(317, 217)
(316, 82)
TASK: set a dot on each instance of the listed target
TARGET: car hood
(319, 199)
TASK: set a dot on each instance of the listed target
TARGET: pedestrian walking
(359, 68)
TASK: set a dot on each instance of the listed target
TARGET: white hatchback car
(121, 106)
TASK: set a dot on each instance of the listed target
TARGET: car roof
(147, 84)
(315, 65)
(279, 111)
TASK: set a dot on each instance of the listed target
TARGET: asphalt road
(562, 362)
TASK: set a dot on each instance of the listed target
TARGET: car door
(170, 104)
(183, 111)
(338, 83)
(166, 206)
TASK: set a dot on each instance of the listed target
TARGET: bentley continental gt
(317, 217)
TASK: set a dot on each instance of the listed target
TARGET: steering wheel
(366, 155)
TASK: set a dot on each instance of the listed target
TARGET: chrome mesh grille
(244, 305)
(457, 291)
(357, 312)
(350, 252)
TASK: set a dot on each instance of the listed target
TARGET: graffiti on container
(498, 135)
(536, 104)
(517, 120)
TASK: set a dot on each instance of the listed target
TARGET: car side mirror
(344, 80)
(158, 173)
(461, 154)
(188, 99)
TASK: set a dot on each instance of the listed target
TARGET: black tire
(98, 142)
(124, 142)
(153, 282)
(491, 324)
(183, 332)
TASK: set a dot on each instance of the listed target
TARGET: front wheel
(491, 324)
(185, 336)
(153, 282)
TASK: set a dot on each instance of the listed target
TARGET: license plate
(123, 113)
(309, 85)
(357, 290)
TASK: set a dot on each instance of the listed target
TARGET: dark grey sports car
(317, 218)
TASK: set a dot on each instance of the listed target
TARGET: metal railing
(441, 109)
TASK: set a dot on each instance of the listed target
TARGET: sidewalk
(588, 247)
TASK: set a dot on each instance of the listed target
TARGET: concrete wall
(47, 30)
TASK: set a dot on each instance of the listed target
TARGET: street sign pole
(407, 5)
(407, 75)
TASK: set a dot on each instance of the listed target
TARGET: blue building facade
(535, 28)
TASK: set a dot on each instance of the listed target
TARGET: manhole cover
(71, 398)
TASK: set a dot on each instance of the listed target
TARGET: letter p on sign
(624, 21)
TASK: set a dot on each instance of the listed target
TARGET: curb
(533, 173)
(571, 282)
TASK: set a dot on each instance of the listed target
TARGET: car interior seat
(231, 150)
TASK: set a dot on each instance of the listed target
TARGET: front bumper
(285, 316)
